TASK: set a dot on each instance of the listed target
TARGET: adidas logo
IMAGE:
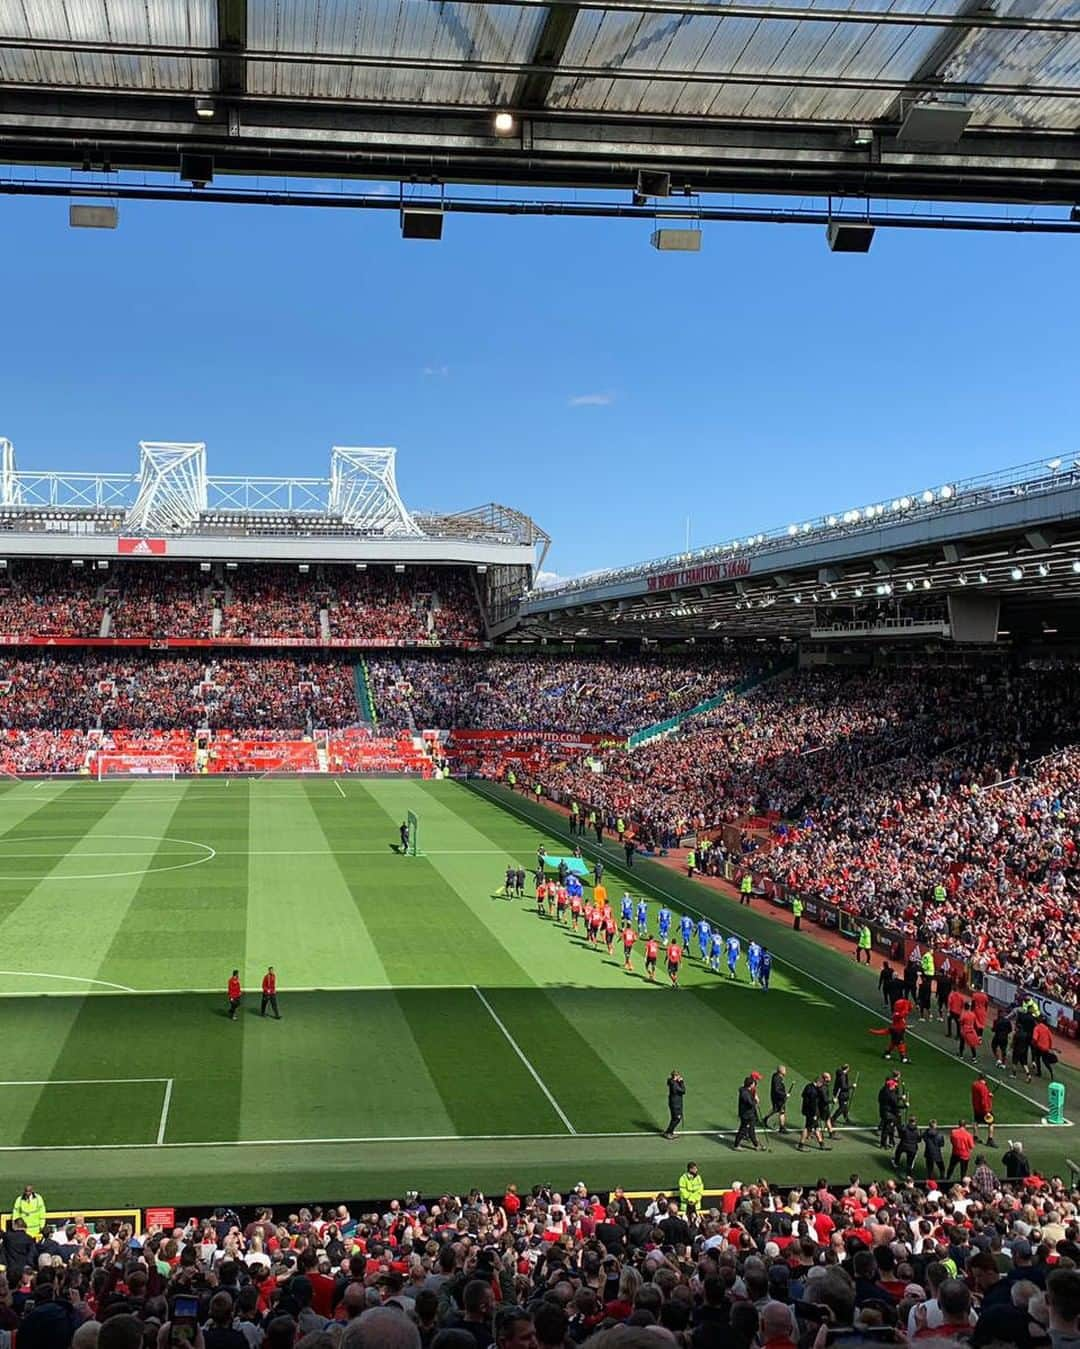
(141, 547)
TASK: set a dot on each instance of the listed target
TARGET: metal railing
(952, 498)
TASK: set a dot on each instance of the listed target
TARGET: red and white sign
(712, 571)
(142, 547)
(161, 1217)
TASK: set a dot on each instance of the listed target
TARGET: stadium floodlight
(947, 493)
(858, 592)
(909, 585)
(962, 578)
(896, 504)
(1053, 465)
(504, 123)
(982, 578)
(807, 527)
(399, 568)
(796, 599)
(832, 521)
(832, 594)
(905, 503)
(792, 530)
(1044, 570)
(928, 497)
(926, 583)
(204, 109)
(1017, 573)
(862, 136)
(1076, 565)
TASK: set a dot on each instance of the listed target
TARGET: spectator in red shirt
(982, 1107)
(235, 993)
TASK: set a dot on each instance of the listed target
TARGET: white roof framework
(363, 491)
(172, 487)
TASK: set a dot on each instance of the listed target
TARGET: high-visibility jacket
(864, 937)
(691, 860)
(939, 893)
(32, 1212)
(797, 907)
(746, 884)
(691, 1189)
(928, 963)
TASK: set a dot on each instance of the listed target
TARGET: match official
(676, 1090)
(269, 993)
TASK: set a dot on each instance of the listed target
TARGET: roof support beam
(533, 89)
(232, 43)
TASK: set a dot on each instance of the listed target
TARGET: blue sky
(563, 367)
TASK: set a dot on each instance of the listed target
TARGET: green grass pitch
(434, 1036)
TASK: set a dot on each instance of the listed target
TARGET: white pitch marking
(338, 786)
(395, 1138)
(165, 1111)
(83, 1081)
(70, 993)
(783, 960)
(172, 992)
(521, 1055)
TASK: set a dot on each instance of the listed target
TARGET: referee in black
(676, 1090)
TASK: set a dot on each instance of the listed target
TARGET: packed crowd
(989, 1261)
(616, 694)
(895, 797)
(144, 691)
(161, 599)
(156, 599)
(423, 605)
(51, 599)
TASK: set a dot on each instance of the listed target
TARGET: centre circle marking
(155, 841)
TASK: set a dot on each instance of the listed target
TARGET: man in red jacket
(1042, 1049)
(982, 1107)
(235, 993)
(269, 993)
(963, 1145)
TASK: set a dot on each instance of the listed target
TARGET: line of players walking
(563, 899)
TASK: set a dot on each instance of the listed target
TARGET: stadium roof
(912, 566)
(971, 100)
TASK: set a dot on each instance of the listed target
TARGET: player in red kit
(629, 936)
(235, 993)
(269, 993)
(969, 1033)
(674, 960)
(652, 951)
(575, 909)
(982, 1107)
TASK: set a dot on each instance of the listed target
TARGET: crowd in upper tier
(616, 694)
(153, 599)
(989, 1261)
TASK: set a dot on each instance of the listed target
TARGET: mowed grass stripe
(412, 918)
(65, 820)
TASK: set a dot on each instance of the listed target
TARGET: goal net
(135, 766)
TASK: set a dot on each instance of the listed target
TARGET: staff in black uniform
(907, 1146)
(778, 1095)
(841, 1094)
(748, 1112)
(888, 1111)
(933, 1150)
(676, 1090)
(403, 834)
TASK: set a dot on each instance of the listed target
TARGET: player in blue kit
(704, 935)
(686, 927)
(716, 951)
(573, 886)
(753, 961)
(642, 917)
(627, 907)
(663, 923)
(766, 968)
(733, 949)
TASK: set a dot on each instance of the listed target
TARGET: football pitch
(434, 1034)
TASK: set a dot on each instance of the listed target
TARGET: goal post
(414, 834)
(129, 766)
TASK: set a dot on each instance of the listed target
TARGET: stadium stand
(984, 1261)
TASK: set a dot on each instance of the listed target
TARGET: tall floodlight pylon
(10, 486)
(172, 487)
(363, 491)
